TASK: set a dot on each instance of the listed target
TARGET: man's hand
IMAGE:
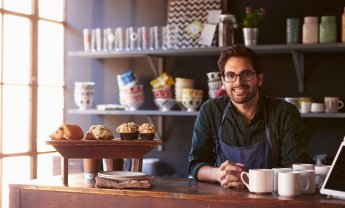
(229, 175)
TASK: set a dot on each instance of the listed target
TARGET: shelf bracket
(160, 129)
(156, 69)
(298, 60)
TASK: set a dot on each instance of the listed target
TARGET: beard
(243, 93)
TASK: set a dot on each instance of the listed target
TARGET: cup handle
(340, 104)
(318, 185)
(306, 183)
(245, 183)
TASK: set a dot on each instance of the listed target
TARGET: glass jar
(292, 30)
(227, 29)
(328, 29)
(310, 30)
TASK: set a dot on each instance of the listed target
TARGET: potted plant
(252, 20)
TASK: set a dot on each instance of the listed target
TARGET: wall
(324, 72)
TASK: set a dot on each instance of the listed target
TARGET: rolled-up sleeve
(202, 143)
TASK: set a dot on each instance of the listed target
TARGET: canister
(227, 28)
(328, 29)
(310, 30)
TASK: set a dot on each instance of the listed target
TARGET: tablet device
(334, 184)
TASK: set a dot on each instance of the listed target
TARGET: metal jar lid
(229, 18)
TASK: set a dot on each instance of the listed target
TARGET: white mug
(275, 173)
(305, 107)
(321, 172)
(311, 177)
(333, 104)
(290, 183)
(317, 107)
(302, 166)
(260, 180)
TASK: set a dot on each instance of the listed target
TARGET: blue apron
(259, 155)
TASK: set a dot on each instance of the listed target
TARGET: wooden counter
(165, 193)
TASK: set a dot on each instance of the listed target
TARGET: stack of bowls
(180, 84)
(214, 83)
(84, 93)
(131, 94)
(132, 97)
(191, 99)
(162, 93)
(163, 98)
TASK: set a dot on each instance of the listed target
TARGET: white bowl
(165, 104)
(191, 104)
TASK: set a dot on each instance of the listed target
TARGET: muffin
(147, 131)
(98, 132)
(128, 131)
(68, 132)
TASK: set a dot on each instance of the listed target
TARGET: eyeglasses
(244, 76)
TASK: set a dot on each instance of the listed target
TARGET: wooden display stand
(98, 149)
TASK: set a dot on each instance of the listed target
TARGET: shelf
(261, 49)
(296, 50)
(323, 115)
(134, 113)
(179, 113)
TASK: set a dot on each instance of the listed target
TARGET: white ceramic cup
(260, 180)
(291, 183)
(302, 166)
(311, 177)
(333, 104)
(317, 107)
(275, 172)
(305, 107)
(321, 172)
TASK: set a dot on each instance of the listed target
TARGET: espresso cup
(321, 172)
(275, 173)
(291, 183)
(317, 107)
(259, 180)
(302, 166)
(333, 104)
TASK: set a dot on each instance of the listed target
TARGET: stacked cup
(162, 92)
(131, 93)
(84, 94)
(180, 84)
(214, 83)
(191, 99)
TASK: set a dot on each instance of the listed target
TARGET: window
(31, 88)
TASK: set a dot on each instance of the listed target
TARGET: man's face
(241, 91)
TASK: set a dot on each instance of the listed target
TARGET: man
(244, 129)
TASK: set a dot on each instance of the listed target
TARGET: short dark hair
(240, 51)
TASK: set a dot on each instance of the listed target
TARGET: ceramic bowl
(84, 99)
(191, 104)
(214, 76)
(165, 104)
(162, 93)
(132, 102)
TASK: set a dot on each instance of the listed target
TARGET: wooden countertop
(165, 192)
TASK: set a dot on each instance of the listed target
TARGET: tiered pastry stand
(98, 149)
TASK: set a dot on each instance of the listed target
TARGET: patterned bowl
(165, 104)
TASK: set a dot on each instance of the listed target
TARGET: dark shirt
(285, 125)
